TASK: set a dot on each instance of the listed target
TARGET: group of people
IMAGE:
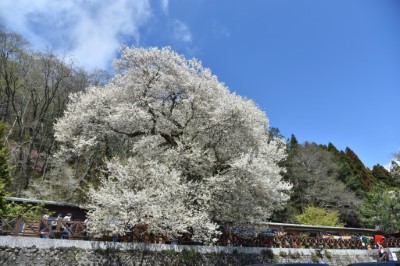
(62, 225)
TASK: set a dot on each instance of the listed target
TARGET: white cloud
(164, 6)
(90, 30)
(388, 165)
(220, 31)
(181, 32)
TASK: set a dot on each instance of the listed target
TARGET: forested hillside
(34, 94)
(34, 89)
(335, 180)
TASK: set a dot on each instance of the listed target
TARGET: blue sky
(326, 71)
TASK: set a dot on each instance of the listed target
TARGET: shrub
(283, 254)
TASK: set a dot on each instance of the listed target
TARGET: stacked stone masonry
(36, 251)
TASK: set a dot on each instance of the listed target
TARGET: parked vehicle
(290, 264)
(301, 264)
(269, 232)
(389, 263)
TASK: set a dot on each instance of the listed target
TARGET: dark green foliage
(314, 174)
(6, 207)
(381, 208)
(24, 77)
(349, 176)
(290, 210)
(283, 254)
(356, 177)
(294, 255)
(4, 170)
(367, 180)
(268, 255)
(347, 168)
(382, 175)
(4, 167)
(315, 257)
(274, 133)
(25, 209)
(3, 202)
(169, 252)
(395, 170)
(34, 90)
(189, 255)
(293, 143)
(286, 215)
(352, 172)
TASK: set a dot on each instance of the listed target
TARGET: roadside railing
(28, 226)
(53, 228)
(298, 241)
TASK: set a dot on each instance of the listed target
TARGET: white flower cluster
(186, 152)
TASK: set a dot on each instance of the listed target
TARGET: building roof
(317, 227)
(46, 202)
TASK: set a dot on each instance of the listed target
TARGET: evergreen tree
(364, 175)
(293, 143)
(382, 175)
(274, 133)
(395, 170)
(381, 209)
(352, 171)
(287, 213)
(313, 172)
(350, 179)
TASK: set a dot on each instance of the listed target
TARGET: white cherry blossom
(182, 151)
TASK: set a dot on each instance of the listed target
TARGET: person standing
(383, 256)
(44, 227)
(86, 229)
(66, 226)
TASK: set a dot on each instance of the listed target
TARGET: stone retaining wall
(36, 251)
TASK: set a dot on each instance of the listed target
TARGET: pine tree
(366, 179)
(293, 143)
(346, 172)
(381, 174)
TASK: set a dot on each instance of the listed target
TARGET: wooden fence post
(17, 224)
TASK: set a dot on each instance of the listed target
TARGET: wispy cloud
(164, 6)
(220, 31)
(181, 32)
(90, 30)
